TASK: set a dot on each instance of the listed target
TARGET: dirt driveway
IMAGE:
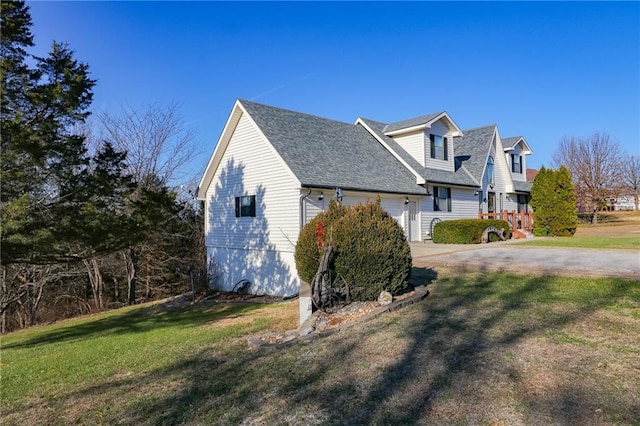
(511, 256)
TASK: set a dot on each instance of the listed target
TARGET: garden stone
(385, 298)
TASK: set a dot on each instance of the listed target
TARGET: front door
(414, 230)
(491, 202)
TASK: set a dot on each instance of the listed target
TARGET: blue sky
(542, 70)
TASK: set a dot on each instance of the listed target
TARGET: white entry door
(414, 229)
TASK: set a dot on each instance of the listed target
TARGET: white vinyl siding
(392, 204)
(464, 205)
(413, 143)
(258, 248)
(438, 128)
(313, 205)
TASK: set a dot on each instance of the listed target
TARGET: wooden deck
(518, 222)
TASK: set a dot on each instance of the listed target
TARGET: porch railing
(517, 221)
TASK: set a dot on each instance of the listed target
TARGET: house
(274, 169)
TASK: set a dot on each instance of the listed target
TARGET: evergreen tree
(554, 203)
(57, 202)
(566, 218)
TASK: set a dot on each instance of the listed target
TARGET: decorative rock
(306, 329)
(385, 298)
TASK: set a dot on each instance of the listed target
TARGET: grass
(615, 242)
(483, 348)
(615, 231)
(51, 360)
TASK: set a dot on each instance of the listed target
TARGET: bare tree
(595, 166)
(156, 141)
(160, 153)
(631, 177)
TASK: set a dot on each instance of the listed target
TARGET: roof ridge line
(295, 112)
(479, 127)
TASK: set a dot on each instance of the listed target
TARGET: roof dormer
(516, 149)
(423, 123)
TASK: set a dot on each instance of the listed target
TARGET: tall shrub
(553, 201)
(309, 247)
(372, 252)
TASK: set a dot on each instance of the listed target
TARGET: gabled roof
(511, 142)
(328, 153)
(412, 122)
(324, 153)
(419, 123)
(472, 149)
(460, 177)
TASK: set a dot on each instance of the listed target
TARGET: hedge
(467, 231)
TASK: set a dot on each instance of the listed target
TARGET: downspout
(302, 197)
(305, 305)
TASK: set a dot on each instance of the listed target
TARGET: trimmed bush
(467, 231)
(371, 252)
(309, 248)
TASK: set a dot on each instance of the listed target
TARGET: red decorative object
(320, 234)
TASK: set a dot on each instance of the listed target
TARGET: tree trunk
(131, 266)
(35, 281)
(116, 290)
(3, 301)
(594, 218)
(96, 281)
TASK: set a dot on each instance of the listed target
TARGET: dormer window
(439, 147)
(516, 163)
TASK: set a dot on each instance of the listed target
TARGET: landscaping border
(307, 332)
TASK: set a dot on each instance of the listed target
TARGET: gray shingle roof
(460, 177)
(522, 186)
(472, 149)
(417, 121)
(510, 142)
(328, 153)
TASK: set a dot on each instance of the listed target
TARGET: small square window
(246, 206)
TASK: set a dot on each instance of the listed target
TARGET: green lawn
(487, 348)
(620, 243)
(47, 361)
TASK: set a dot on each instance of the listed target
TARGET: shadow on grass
(438, 364)
(140, 320)
(420, 365)
(422, 276)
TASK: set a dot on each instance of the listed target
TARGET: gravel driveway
(511, 256)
